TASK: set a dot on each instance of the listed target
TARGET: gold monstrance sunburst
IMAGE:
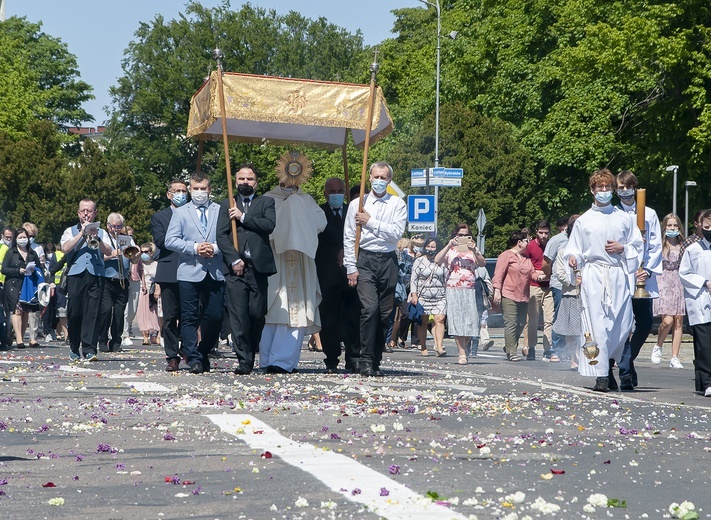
(293, 169)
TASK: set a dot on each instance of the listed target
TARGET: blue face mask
(145, 257)
(335, 200)
(671, 233)
(379, 185)
(603, 197)
(179, 199)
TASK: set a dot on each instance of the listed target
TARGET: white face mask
(22, 242)
(199, 197)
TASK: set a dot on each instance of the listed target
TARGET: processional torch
(641, 291)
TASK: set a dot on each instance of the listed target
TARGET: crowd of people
(268, 270)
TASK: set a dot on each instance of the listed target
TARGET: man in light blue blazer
(191, 233)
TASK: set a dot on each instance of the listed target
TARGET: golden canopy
(286, 111)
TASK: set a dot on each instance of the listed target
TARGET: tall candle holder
(640, 285)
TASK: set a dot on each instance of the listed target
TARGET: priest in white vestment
(605, 245)
(294, 294)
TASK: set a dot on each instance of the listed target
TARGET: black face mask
(707, 234)
(245, 190)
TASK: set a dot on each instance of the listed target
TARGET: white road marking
(339, 473)
(75, 368)
(146, 386)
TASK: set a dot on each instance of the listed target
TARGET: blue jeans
(207, 294)
(557, 341)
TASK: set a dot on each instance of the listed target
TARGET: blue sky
(98, 31)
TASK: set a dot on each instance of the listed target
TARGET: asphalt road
(122, 439)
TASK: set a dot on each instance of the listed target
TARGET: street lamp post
(673, 168)
(687, 185)
(436, 161)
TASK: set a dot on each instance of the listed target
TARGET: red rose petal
(267, 455)
(558, 471)
(49, 484)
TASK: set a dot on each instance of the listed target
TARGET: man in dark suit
(249, 268)
(192, 232)
(167, 274)
(339, 304)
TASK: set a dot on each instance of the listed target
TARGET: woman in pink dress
(147, 312)
(670, 304)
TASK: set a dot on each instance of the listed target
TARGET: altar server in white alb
(605, 246)
(695, 274)
(294, 293)
(651, 263)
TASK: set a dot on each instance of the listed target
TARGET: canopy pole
(201, 143)
(217, 55)
(368, 128)
(346, 181)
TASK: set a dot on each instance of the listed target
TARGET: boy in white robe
(605, 246)
(695, 274)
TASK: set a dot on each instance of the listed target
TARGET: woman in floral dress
(462, 259)
(670, 304)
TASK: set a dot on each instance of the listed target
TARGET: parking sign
(421, 212)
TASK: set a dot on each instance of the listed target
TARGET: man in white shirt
(374, 272)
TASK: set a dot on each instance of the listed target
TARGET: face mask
(335, 200)
(625, 194)
(199, 197)
(603, 197)
(7, 241)
(418, 249)
(179, 199)
(673, 233)
(707, 234)
(245, 190)
(32, 240)
(22, 242)
(145, 257)
(379, 185)
(430, 253)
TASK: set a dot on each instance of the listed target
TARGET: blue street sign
(421, 208)
(438, 177)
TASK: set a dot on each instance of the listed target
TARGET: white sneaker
(657, 355)
(48, 338)
(126, 342)
(675, 363)
(707, 393)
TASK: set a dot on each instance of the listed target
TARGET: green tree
(168, 61)
(498, 173)
(48, 64)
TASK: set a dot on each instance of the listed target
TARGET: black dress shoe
(21, 345)
(601, 384)
(242, 371)
(205, 363)
(626, 384)
(366, 369)
(196, 367)
(172, 365)
(274, 369)
(34, 344)
(331, 370)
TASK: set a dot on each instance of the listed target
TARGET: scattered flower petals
(49, 485)
(301, 502)
(266, 455)
(56, 501)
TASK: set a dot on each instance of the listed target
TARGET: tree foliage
(49, 67)
(168, 61)
(40, 184)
